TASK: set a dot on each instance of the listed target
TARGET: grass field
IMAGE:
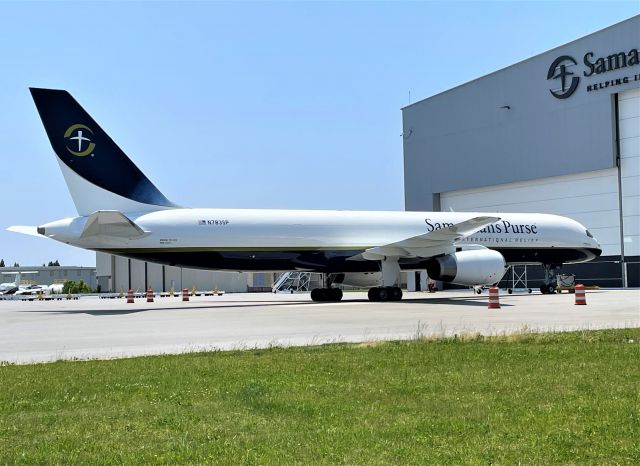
(531, 399)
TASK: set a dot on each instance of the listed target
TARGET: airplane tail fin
(98, 173)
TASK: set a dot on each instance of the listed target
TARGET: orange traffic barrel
(494, 298)
(149, 295)
(581, 296)
(130, 296)
(185, 294)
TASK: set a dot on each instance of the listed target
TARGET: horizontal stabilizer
(111, 223)
(25, 230)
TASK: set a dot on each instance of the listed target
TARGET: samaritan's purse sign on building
(568, 81)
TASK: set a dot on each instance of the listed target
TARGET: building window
(64, 273)
(51, 273)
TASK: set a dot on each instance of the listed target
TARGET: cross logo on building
(558, 70)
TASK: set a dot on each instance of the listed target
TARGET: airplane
(28, 290)
(121, 212)
(10, 288)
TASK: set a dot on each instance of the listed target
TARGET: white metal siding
(629, 111)
(137, 275)
(121, 283)
(590, 198)
(203, 280)
(154, 276)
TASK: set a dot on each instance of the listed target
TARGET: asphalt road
(92, 328)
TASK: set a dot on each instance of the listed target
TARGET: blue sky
(250, 105)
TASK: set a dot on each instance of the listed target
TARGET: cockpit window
(589, 234)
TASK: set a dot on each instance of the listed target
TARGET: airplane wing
(429, 244)
(111, 223)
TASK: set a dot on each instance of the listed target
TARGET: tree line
(54, 263)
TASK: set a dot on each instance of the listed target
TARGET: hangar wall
(118, 274)
(556, 133)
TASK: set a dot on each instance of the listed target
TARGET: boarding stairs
(291, 282)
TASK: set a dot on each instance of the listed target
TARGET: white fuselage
(233, 232)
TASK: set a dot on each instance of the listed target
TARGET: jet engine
(471, 267)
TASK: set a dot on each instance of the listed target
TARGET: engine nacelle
(472, 267)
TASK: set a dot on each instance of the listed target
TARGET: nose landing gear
(548, 289)
(550, 272)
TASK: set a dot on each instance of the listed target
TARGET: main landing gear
(385, 293)
(390, 277)
(550, 272)
(390, 291)
(327, 293)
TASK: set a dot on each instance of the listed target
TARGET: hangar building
(556, 133)
(49, 275)
(118, 274)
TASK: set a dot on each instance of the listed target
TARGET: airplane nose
(595, 248)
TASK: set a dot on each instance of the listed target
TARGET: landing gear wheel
(544, 289)
(551, 289)
(395, 293)
(326, 294)
(385, 293)
(510, 291)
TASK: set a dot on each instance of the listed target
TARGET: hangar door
(590, 198)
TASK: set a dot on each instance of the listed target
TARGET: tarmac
(92, 328)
